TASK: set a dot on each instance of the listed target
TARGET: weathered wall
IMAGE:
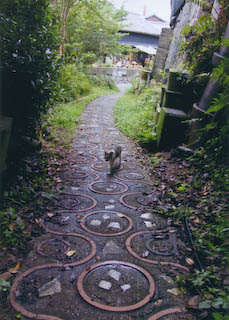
(162, 52)
(188, 15)
(117, 74)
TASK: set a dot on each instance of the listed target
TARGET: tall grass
(134, 114)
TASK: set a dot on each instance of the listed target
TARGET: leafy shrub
(28, 49)
(203, 38)
(11, 227)
(73, 83)
(102, 81)
(137, 86)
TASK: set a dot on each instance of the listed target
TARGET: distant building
(154, 18)
(142, 34)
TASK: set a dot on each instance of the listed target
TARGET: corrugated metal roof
(147, 49)
(144, 42)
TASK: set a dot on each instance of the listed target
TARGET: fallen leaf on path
(120, 215)
(197, 220)
(79, 217)
(50, 215)
(158, 303)
(174, 291)
(15, 269)
(11, 227)
(70, 253)
(189, 261)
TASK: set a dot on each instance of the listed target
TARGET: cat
(112, 156)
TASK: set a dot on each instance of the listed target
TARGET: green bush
(11, 228)
(29, 45)
(102, 81)
(73, 83)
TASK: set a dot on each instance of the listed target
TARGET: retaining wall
(117, 74)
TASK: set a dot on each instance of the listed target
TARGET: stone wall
(162, 53)
(188, 15)
(117, 74)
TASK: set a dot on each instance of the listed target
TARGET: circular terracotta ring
(128, 205)
(166, 312)
(91, 187)
(94, 203)
(39, 247)
(82, 224)
(156, 262)
(111, 308)
(91, 243)
(13, 291)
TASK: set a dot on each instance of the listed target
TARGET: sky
(161, 8)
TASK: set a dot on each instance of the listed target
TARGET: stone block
(171, 127)
(174, 99)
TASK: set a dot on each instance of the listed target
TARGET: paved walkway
(105, 253)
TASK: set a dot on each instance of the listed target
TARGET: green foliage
(218, 316)
(214, 296)
(202, 39)
(11, 227)
(137, 86)
(73, 83)
(28, 49)
(221, 72)
(134, 114)
(4, 285)
(103, 82)
(92, 31)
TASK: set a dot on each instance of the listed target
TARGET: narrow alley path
(105, 253)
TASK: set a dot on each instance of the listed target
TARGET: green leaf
(4, 285)
(210, 126)
(218, 316)
(218, 302)
(206, 304)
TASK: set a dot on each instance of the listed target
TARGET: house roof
(144, 42)
(146, 48)
(154, 17)
(143, 34)
(138, 24)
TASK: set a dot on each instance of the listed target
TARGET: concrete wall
(117, 74)
(162, 53)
